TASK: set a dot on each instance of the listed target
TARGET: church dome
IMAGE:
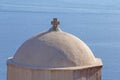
(54, 49)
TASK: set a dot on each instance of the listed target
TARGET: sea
(99, 30)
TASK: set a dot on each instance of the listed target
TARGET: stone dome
(54, 49)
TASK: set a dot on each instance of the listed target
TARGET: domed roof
(54, 49)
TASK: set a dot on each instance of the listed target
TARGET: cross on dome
(55, 24)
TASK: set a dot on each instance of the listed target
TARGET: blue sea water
(100, 31)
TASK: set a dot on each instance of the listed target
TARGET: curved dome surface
(54, 49)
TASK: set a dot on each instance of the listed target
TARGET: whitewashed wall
(20, 73)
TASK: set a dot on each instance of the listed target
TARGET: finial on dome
(55, 24)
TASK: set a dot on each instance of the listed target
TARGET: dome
(54, 49)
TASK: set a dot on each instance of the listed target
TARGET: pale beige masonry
(21, 73)
(54, 55)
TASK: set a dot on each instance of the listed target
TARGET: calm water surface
(100, 31)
